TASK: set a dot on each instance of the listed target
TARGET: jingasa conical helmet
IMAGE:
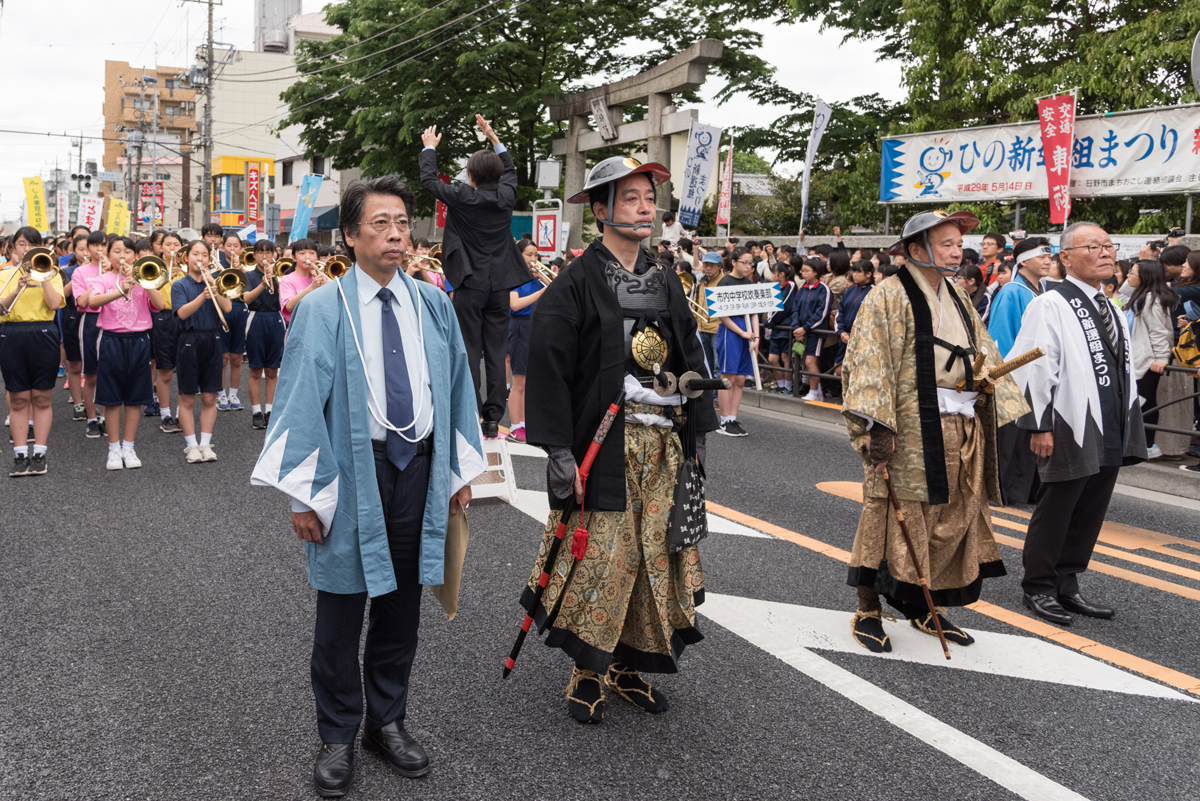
(919, 225)
(616, 168)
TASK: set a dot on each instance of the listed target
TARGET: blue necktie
(399, 388)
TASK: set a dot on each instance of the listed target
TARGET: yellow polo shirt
(31, 306)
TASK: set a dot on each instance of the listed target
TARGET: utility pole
(206, 187)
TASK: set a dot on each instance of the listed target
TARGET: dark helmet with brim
(920, 224)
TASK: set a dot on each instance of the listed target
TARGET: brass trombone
(432, 263)
(231, 283)
(150, 272)
(248, 259)
(335, 267)
(39, 264)
(285, 266)
(542, 273)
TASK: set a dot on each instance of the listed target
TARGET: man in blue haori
(375, 437)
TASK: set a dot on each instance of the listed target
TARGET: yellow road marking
(1098, 650)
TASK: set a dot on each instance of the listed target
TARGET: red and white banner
(144, 202)
(1056, 116)
(726, 189)
(441, 207)
(252, 187)
(90, 209)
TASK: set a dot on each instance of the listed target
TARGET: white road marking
(1003, 770)
(1013, 655)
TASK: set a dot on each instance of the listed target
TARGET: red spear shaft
(560, 532)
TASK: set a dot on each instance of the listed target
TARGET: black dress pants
(393, 620)
(1066, 523)
(483, 318)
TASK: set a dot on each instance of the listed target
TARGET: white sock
(21, 451)
(126, 446)
(205, 438)
(725, 419)
(164, 412)
(518, 425)
(92, 420)
(101, 418)
(255, 408)
(233, 394)
(268, 407)
(190, 440)
(222, 396)
(38, 450)
(114, 446)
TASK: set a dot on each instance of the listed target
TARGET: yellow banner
(35, 204)
(118, 217)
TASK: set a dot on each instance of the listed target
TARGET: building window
(173, 83)
(237, 192)
(287, 173)
(318, 165)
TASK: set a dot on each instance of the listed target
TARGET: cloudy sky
(59, 77)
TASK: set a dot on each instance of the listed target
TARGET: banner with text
(726, 189)
(1156, 151)
(733, 301)
(118, 217)
(61, 213)
(309, 187)
(703, 142)
(821, 115)
(151, 195)
(253, 174)
(1056, 119)
(89, 212)
(35, 204)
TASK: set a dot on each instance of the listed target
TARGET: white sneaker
(207, 454)
(1154, 452)
(131, 459)
(115, 462)
(813, 395)
(191, 453)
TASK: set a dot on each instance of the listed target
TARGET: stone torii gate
(606, 104)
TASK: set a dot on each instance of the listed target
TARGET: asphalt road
(155, 629)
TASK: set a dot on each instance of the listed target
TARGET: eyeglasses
(383, 226)
(1108, 248)
(746, 263)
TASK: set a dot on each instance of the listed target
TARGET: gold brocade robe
(879, 379)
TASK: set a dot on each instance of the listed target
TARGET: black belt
(423, 447)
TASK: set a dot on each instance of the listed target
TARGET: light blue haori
(318, 446)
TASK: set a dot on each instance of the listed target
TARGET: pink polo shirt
(291, 285)
(83, 275)
(122, 316)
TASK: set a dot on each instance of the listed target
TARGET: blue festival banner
(701, 158)
(309, 187)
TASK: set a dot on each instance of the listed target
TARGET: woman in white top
(1153, 336)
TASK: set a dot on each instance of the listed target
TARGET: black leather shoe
(1046, 606)
(491, 428)
(334, 769)
(399, 748)
(1080, 606)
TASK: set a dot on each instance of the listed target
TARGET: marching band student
(198, 358)
(233, 340)
(88, 330)
(28, 354)
(736, 347)
(143, 247)
(123, 365)
(304, 279)
(521, 300)
(70, 327)
(212, 234)
(166, 334)
(265, 331)
(815, 301)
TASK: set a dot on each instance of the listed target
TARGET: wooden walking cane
(579, 543)
(912, 554)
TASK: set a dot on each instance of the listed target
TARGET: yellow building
(235, 202)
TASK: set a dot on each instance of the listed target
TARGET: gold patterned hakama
(627, 600)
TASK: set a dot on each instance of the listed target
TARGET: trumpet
(150, 272)
(39, 264)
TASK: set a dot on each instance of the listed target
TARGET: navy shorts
(265, 333)
(733, 352)
(814, 344)
(29, 355)
(89, 331)
(234, 340)
(518, 342)
(780, 345)
(70, 332)
(123, 374)
(198, 365)
(166, 339)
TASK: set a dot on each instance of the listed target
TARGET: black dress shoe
(1046, 606)
(334, 769)
(491, 428)
(399, 748)
(1080, 606)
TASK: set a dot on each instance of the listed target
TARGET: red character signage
(252, 173)
(1056, 116)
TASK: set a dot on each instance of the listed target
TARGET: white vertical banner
(61, 222)
(703, 143)
(726, 199)
(821, 115)
(89, 212)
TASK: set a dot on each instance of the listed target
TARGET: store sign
(252, 190)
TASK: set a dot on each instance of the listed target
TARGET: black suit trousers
(483, 318)
(392, 621)
(1064, 529)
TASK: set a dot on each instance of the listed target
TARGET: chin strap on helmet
(929, 250)
(611, 200)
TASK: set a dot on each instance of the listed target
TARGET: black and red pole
(560, 532)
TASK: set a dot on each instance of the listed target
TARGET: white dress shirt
(370, 311)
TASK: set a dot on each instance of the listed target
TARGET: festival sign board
(90, 209)
(701, 156)
(62, 218)
(1151, 151)
(1056, 118)
(35, 204)
(733, 301)
(723, 203)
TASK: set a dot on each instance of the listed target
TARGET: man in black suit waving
(479, 257)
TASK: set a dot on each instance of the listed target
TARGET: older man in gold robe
(910, 405)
